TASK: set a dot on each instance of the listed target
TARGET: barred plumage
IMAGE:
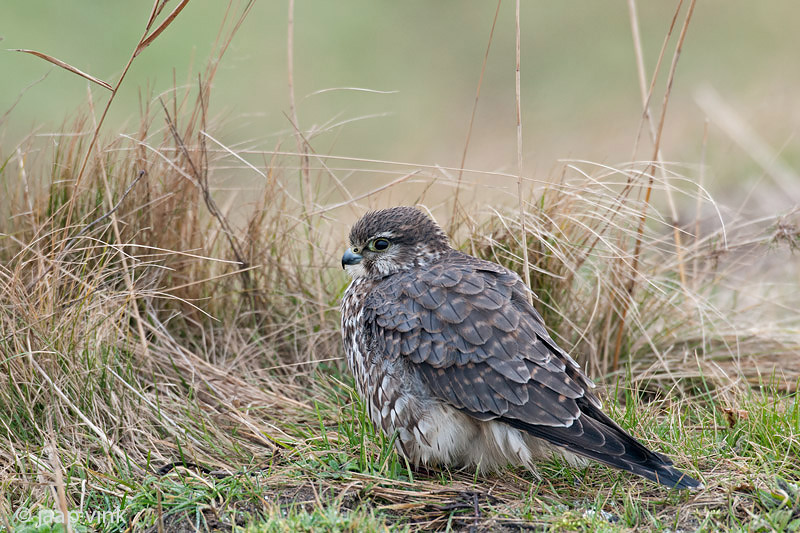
(448, 353)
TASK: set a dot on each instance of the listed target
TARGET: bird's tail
(596, 436)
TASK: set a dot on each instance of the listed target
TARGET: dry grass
(150, 317)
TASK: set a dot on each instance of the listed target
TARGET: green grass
(340, 475)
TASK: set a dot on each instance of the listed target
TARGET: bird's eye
(379, 245)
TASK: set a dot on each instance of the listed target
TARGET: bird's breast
(353, 333)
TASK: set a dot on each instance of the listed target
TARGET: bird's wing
(467, 327)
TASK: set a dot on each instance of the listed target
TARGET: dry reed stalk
(303, 148)
(637, 45)
(698, 202)
(649, 172)
(455, 215)
(520, 191)
(144, 41)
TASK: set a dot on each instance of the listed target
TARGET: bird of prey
(449, 355)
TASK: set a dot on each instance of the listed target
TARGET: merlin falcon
(449, 355)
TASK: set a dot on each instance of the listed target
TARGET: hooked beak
(350, 258)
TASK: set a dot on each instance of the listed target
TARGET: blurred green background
(580, 90)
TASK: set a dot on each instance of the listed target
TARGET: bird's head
(392, 240)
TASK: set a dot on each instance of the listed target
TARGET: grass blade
(66, 66)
